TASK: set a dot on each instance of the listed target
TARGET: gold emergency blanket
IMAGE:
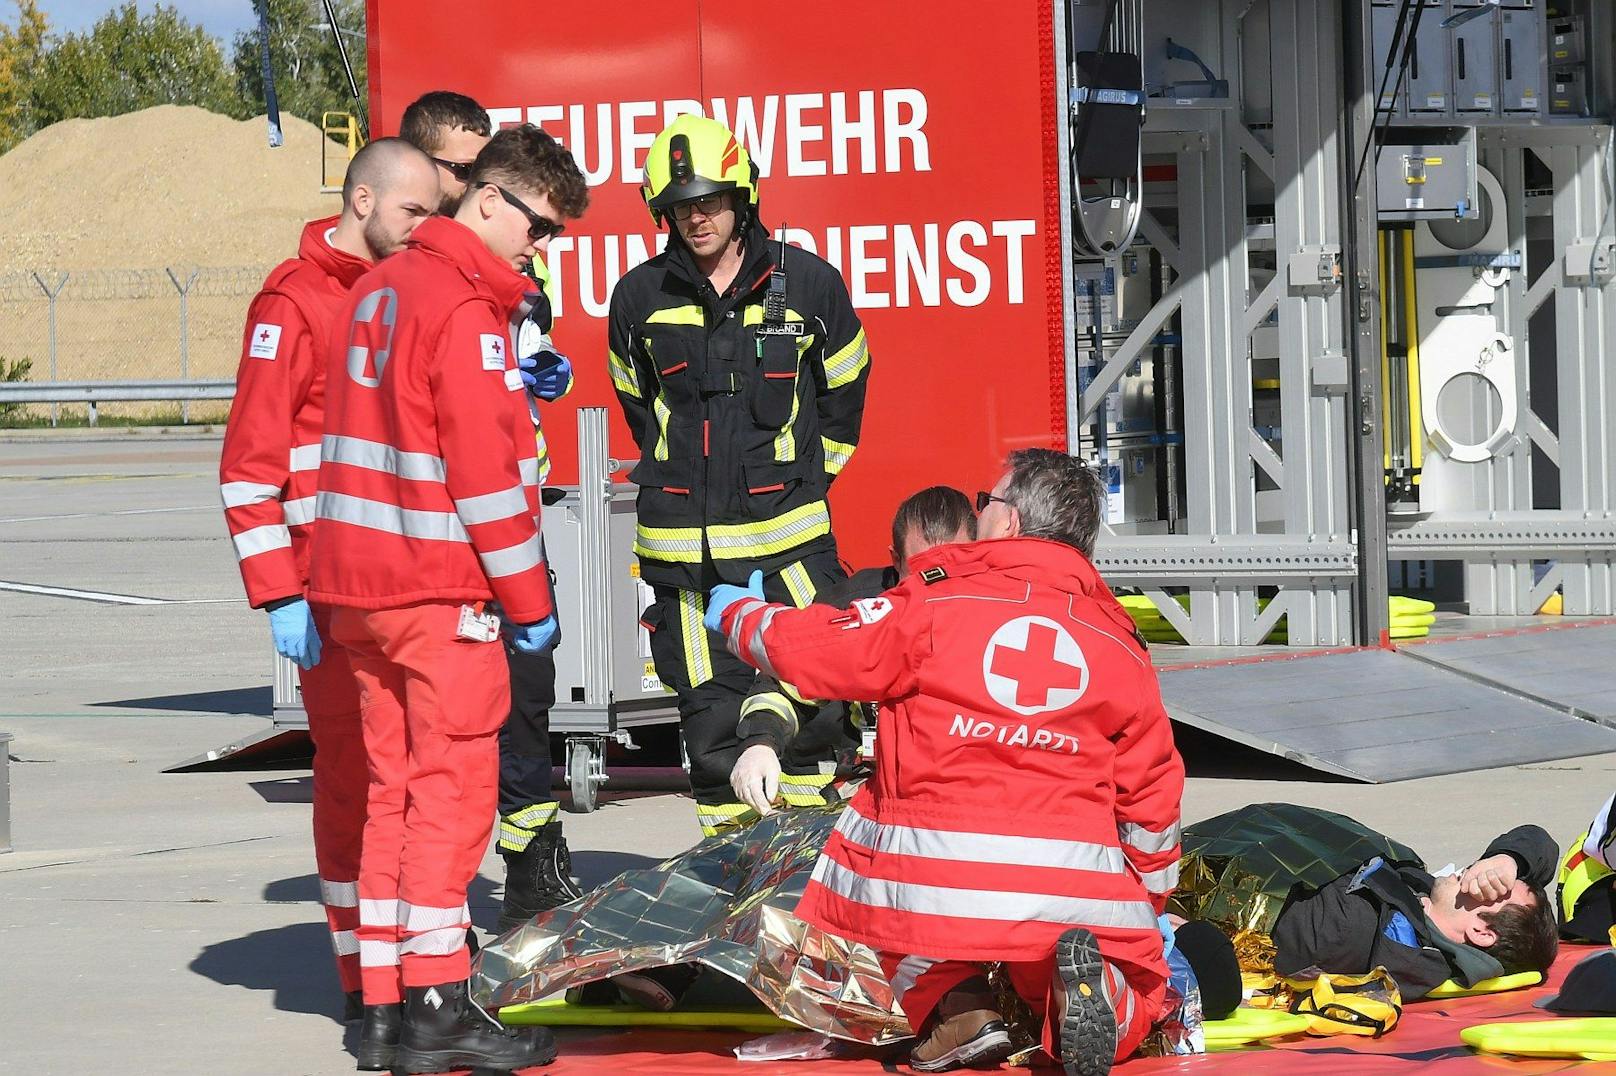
(1238, 868)
(728, 904)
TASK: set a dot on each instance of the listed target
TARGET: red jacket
(429, 484)
(1026, 779)
(272, 442)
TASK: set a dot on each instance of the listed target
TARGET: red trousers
(331, 699)
(431, 708)
(919, 984)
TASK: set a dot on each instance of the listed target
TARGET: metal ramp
(1569, 667)
(1376, 715)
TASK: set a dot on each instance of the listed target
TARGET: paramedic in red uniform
(1025, 806)
(267, 479)
(427, 514)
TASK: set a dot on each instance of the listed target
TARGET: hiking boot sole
(1088, 1029)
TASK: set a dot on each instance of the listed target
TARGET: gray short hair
(1057, 497)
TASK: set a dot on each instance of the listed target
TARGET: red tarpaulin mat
(1425, 1042)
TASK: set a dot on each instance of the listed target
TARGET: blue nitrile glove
(531, 638)
(296, 639)
(546, 373)
(725, 595)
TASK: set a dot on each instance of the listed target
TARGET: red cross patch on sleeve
(493, 351)
(266, 341)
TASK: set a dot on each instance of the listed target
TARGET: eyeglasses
(538, 227)
(461, 170)
(709, 204)
(984, 498)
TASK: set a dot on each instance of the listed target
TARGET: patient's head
(940, 515)
(1518, 929)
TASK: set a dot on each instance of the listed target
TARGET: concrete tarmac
(170, 923)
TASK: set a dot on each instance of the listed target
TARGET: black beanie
(1211, 957)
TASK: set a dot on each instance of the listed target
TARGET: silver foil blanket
(728, 904)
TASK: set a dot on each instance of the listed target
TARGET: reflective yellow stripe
(785, 442)
(765, 538)
(844, 367)
(517, 829)
(543, 451)
(805, 789)
(753, 315)
(677, 315)
(698, 659)
(837, 453)
(798, 583)
(793, 693)
(514, 838)
(772, 702)
(681, 545)
(534, 816)
(716, 818)
(622, 375)
(659, 407)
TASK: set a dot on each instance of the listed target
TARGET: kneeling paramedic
(427, 511)
(1025, 805)
(741, 368)
(268, 470)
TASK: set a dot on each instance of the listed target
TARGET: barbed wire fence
(179, 322)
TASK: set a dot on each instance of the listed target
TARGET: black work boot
(353, 1007)
(378, 1037)
(445, 1030)
(537, 878)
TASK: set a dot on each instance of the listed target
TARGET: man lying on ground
(1492, 919)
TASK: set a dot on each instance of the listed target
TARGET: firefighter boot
(966, 1030)
(378, 1036)
(1085, 1025)
(537, 878)
(446, 1031)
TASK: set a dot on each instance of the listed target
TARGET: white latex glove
(756, 778)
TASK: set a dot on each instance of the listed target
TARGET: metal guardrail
(94, 392)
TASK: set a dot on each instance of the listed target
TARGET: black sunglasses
(538, 228)
(461, 170)
(984, 498)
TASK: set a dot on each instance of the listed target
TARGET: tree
(303, 55)
(129, 61)
(20, 50)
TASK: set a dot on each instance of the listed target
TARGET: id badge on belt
(477, 625)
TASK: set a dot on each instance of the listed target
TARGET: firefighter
(783, 735)
(1025, 806)
(538, 864)
(452, 129)
(267, 471)
(741, 369)
(428, 510)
